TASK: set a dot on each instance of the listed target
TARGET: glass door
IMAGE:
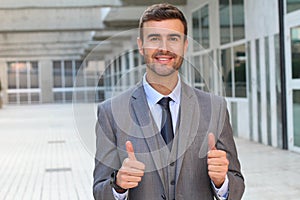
(293, 80)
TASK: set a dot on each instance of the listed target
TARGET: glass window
(292, 5)
(240, 71)
(227, 71)
(295, 45)
(196, 29)
(204, 27)
(200, 23)
(13, 98)
(57, 74)
(22, 68)
(232, 22)
(12, 76)
(127, 63)
(238, 26)
(196, 69)
(35, 97)
(58, 97)
(296, 117)
(224, 21)
(34, 75)
(23, 75)
(136, 57)
(23, 98)
(68, 74)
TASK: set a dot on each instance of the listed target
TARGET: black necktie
(166, 122)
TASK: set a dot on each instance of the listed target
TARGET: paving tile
(43, 157)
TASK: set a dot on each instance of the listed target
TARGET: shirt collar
(153, 96)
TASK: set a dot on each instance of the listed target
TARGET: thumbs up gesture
(132, 171)
(217, 162)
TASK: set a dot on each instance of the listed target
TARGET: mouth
(164, 59)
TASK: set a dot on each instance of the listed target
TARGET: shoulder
(118, 100)
(208, 97)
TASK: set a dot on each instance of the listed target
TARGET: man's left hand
(217, 162)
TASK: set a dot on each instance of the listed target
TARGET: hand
(217, 162)
(132, 171)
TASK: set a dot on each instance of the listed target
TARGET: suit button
(173, 182)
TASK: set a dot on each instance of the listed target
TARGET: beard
(163, 69)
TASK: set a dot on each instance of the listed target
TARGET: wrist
(113, 183)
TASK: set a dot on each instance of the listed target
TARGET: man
(163, 139)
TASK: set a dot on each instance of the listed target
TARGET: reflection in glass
(196, 29)
(296, 117)
(12, 98)
(204, 27)
(224, 21)
(227, 71)
(295, 45)
(24, 98)
(22, 68)
(12, 79)
(240, 71)
(57, 74)
(292, 5)
(136, 56)
(238, 26)
(68, 74)
(35, 97)
(200, 23)
(34, 75)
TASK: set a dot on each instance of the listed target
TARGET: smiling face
(163, 46)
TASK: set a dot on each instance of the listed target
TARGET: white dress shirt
(153, 98)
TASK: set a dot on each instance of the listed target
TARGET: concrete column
(3, 79)
(46, 81)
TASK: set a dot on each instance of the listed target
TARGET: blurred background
(59, 52)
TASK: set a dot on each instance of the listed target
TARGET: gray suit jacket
(127, 117)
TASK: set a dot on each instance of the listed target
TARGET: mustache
(168, 53)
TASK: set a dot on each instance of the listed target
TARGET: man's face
(163, 46)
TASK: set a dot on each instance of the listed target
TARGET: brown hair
(159, 12)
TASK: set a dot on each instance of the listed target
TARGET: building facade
(245, 50)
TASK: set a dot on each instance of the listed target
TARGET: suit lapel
(157, 148)
(188, 125)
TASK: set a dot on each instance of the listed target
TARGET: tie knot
(164, 102)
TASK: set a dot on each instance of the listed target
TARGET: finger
(130, 151)
(129, 178)
(217, 154)
(211, 142)
(132, 171)
(217, 161)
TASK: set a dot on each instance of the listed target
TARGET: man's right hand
(132, 171)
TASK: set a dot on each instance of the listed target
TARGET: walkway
(43, 158)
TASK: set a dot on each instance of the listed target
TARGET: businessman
(163, 139)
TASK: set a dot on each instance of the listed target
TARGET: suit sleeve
(106, 159)
(226, 143)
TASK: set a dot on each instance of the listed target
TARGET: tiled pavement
(42, 157)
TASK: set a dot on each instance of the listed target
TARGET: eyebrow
(158, 35)
(175, 35)
(153, 35)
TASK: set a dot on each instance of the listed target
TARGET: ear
(140, 45)
(186, 44)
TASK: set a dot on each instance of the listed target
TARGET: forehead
(169, 26)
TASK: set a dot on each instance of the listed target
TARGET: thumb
(211, 142)
(130, 151)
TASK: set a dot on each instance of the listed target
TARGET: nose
(163, 45)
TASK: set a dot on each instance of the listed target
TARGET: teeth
(163, 59)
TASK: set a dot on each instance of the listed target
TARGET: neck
(163, 84)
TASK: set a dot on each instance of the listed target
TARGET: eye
(154, 39)
(174, 39)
